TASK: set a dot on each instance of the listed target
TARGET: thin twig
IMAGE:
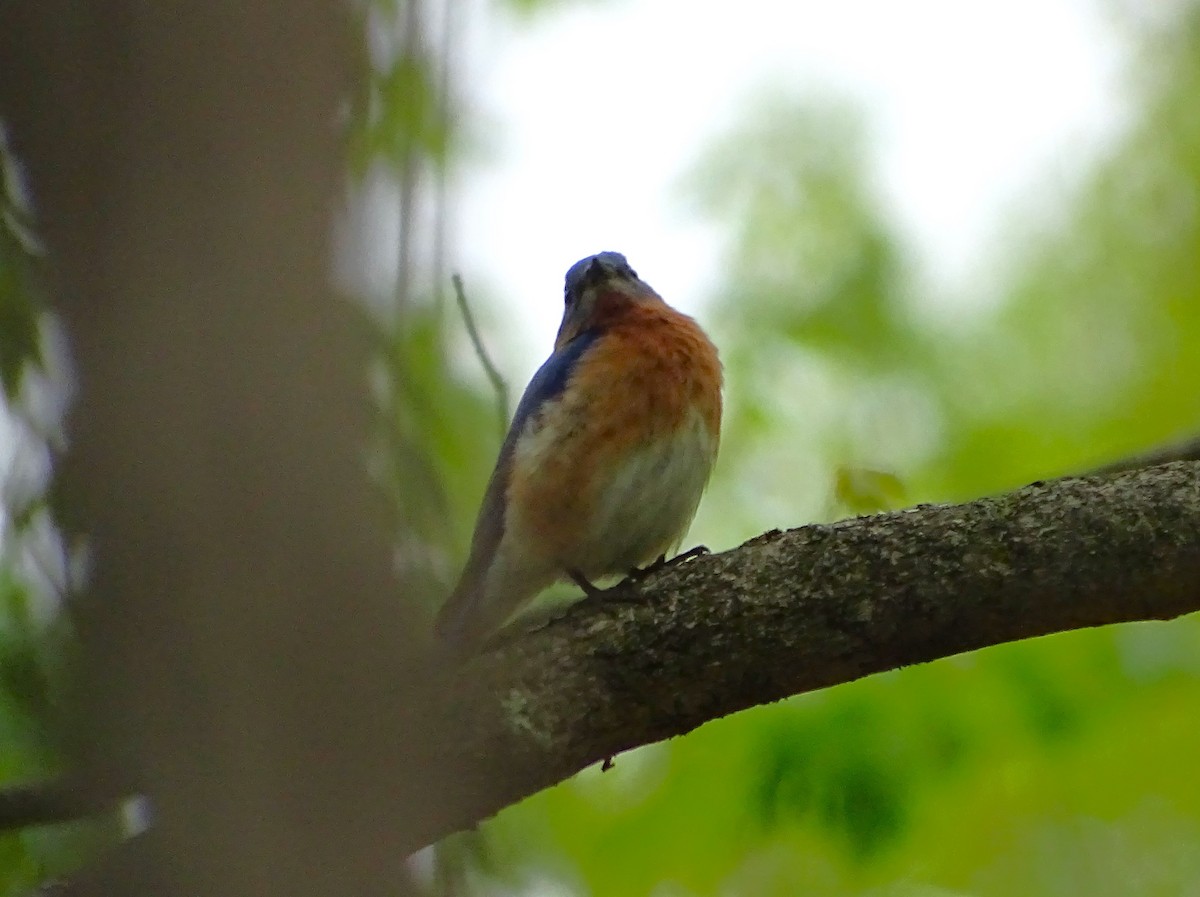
(493, 373)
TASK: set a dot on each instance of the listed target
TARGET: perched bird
(606, 457)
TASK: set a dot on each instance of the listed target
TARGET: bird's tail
(460, 625)
(484, 600)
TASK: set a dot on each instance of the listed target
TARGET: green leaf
(865, 491)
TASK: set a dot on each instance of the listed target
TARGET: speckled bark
(789, 612)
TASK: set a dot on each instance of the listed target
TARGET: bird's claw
(696, 551)
(590, 590)
(638, 573)
(627, 590)
(624, 592)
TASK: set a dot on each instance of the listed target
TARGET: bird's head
(598, 288)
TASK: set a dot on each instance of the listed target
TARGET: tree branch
(790, 612)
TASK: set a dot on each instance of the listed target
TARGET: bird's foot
(637, 573)
(696, 551)
(626, 591)
(591, 591)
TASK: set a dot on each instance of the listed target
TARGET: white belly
(645, 507)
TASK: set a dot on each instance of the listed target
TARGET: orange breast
(653, 368)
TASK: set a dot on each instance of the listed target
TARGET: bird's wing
(547, 384)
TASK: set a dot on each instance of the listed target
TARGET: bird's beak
(597, 272)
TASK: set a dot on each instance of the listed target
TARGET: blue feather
(577, 273)
(458, 617)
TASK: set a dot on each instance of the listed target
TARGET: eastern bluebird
(607, 455)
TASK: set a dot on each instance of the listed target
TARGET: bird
(605, 459)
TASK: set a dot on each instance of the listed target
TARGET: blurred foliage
(403, 133)
(1061, 765)
(529, 8)
(19, 341)
(439, 441)
(35, 636)
(864, 491)
(397, 116)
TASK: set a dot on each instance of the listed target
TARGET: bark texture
(789, 612)
(249, 664)
(785, 613)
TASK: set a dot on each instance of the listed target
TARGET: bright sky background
(594, 111)
(590, 113)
